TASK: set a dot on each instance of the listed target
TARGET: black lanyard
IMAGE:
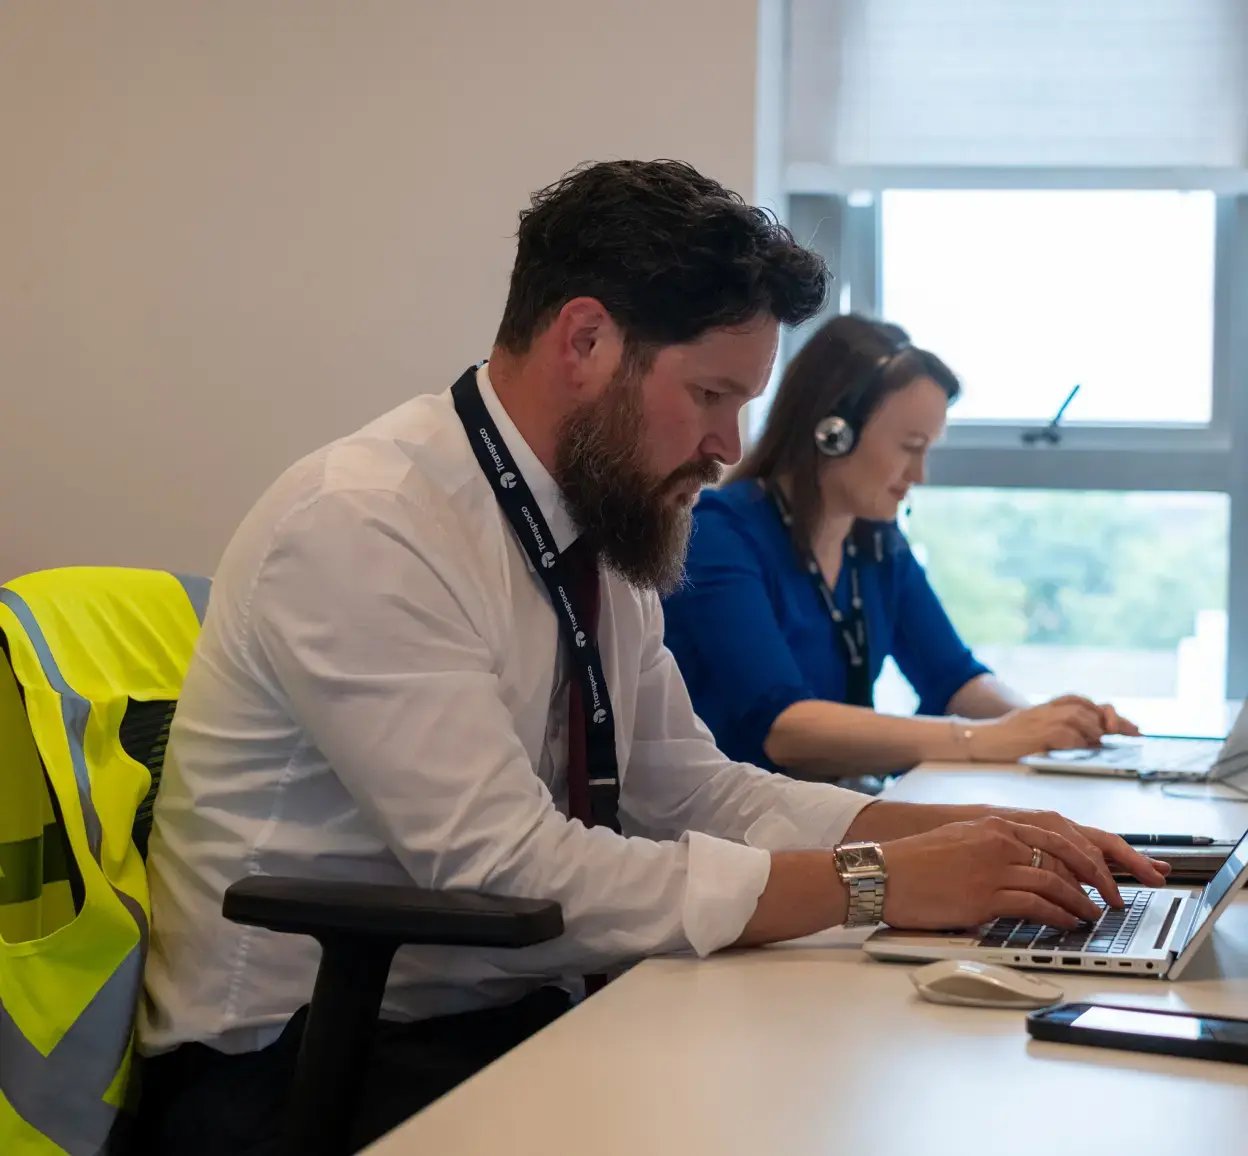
(852, 627)
(521, 510)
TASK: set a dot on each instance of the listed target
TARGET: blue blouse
(752, 634)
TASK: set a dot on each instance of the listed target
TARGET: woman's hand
(1068, 721)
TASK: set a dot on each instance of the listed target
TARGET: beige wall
(230, 231)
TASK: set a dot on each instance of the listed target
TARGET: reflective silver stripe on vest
(74, 710)
(61, 1095)
(197, 590)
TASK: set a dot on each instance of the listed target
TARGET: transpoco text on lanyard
(521, 510)
(852, 628)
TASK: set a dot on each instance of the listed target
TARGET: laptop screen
(1217, 894)
(1222, 884)
(1233, 758)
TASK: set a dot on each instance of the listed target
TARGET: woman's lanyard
(852, 627)
(521, 510)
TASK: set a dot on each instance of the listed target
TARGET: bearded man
(434, 654)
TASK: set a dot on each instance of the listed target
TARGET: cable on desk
(1219, 776)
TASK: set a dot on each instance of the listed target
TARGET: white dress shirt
(379, 693)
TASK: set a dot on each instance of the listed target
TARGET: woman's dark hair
(669, 253)
(842, 358)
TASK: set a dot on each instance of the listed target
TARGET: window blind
(1077, 84)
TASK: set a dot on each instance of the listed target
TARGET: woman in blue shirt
(800, 583)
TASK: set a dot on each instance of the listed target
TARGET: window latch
(1050, 434)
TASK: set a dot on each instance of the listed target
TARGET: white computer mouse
(969, 983)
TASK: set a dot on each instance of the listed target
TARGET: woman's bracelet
(962, 732)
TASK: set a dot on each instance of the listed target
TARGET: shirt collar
(543, 487)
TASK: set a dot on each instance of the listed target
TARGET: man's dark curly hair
(669, 253)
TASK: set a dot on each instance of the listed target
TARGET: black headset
(837, 434)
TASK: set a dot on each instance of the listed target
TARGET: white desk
(1113, 804)
(811, 1048)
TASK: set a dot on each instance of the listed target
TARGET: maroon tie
(583, 580)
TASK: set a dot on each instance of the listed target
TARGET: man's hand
(953, 866)
(967, 873)
(1098, 844)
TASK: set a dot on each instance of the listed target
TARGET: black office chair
(359, 927)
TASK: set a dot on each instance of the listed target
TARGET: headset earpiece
(834, 436)
(837, 434)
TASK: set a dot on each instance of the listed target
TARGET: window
(1133, 294)
(1118, 595)
(1049, 195)
(1029, 292)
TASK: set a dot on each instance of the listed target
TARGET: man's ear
(583, 335)
(579, 323)
(589, 342)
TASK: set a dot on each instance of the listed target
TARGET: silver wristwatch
(861, 868)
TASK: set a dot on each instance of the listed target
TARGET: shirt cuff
(722, 888)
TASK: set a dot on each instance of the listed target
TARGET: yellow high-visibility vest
(83, 643)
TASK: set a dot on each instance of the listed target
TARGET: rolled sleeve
(724, 883)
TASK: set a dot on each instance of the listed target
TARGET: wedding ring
(1037, 856)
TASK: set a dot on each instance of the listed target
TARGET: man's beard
(625, 514)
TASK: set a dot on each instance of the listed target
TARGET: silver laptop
(1157, 933)
(1157, 757)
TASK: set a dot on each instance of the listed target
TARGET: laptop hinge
(1184, 932)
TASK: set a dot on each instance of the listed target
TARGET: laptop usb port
(1070, 960)
(1041, 959)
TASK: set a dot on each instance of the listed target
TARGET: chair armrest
(414, 915)
(359, 927)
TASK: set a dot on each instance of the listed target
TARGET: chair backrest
(95, 662)
(144, 735)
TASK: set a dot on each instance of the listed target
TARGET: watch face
(861, 859)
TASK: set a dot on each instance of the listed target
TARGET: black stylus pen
(1167, 840)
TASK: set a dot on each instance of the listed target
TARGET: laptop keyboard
(1109, 935)
(1158, 755)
